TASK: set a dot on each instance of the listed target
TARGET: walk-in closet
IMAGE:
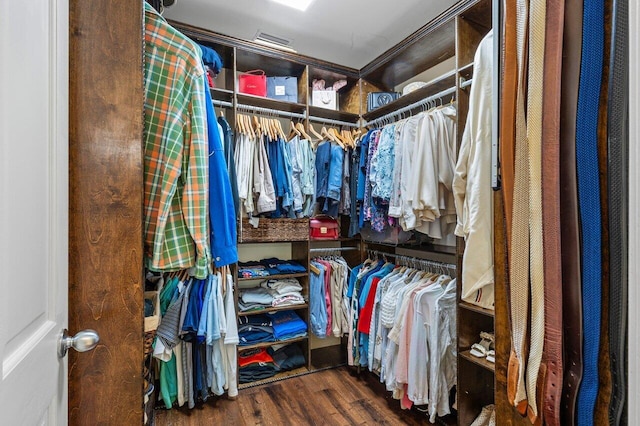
(298, 212)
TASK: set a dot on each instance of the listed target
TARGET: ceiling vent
(272, 39)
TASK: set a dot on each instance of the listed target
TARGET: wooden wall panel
(105, 197)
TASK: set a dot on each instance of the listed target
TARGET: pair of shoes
(487, 416)
(319, 84)
(486, 345)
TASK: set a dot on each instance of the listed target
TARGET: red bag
(324, 228)
(253, 83)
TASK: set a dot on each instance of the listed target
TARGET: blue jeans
(329, 161)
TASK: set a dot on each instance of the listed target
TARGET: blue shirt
(317, 302)
(222, 211)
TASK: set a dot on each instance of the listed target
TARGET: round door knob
(83, 341)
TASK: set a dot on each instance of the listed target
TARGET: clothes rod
(465, 83)
(413, 105)
(222, 103)
(330, 249)
(280, 113)
(335, 122)
(416, 260)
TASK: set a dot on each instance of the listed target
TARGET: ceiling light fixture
(296, 4)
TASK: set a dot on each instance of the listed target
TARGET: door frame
(106, 102)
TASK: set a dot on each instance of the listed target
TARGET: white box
(325, 99)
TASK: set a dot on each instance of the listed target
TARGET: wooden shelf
(279, 376)
(433, 87)
(341, 239)
(221, 94)
(482, 362)
(274, 277)
(274, 309)
(319, 113)
(471, 307)
(267, 344)
(261, 102)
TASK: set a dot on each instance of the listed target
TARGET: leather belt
(570, 233)
(589, 201)
(618, 207)
(601, 414)
(509, 87)
(551, 213)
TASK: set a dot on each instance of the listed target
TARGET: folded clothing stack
(256, 364)
(261, 363)
(287, 325)
(255, 329)
(271, 293)
(287, 357)
(271, 327)
(271, 266)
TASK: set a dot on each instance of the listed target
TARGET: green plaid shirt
(176, 152)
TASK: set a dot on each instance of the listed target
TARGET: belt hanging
(618, 207)
(569, 219)
(537, 24)
(519, 257)
(589, 200)
(508, 111)
(553, 376)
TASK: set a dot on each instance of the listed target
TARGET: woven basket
(148, 341)
(273, 230)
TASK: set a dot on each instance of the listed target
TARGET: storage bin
(272, 230)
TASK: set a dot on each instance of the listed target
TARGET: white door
(34, 58)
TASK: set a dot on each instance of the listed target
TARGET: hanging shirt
(472, 184)
(176, 179)
(382, 164)
(229, 155)
(222, 211)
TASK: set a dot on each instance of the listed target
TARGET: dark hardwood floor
(329, 397)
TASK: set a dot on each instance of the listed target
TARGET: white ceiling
(346, 32)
